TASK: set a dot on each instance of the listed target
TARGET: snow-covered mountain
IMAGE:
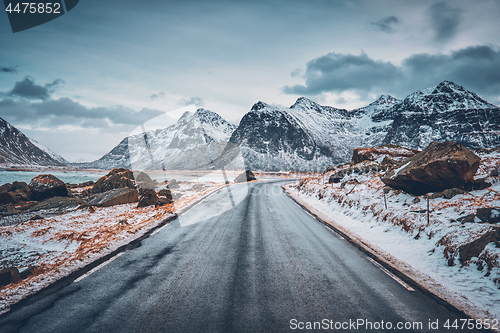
(445, 112)
(308, 136)
(305, 136)
(17, 149)
(374, 120)
(52, 154)
(192, 142)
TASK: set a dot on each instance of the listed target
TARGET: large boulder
(16, 192)
(116, 178)
(47, 186)
(148, 198)
(438, 167)
(117, 196)
(246, 176)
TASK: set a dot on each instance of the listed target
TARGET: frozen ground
(402, 230)
(62, 244)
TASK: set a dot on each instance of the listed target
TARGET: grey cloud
(386, 23)
(156, 96)
(5, 69)
(444, 20)
(339, 72)
(27, 88)
(198, 101)
(64, 111)
(297, 73)
(475, 67)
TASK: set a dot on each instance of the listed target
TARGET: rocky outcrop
(438, 167)
(116, 178)
(57, 204)
(393, 152)
(14, 193)
(166, 196)
(489, 215)
(246, 176)
(173, 184)
(360, 168)
(9, 275)
(144, 181)
(474, 249)
(148, 198)
(113, 197)
(47, 186)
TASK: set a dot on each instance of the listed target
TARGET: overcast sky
(82, 82)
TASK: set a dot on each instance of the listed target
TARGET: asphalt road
(246, 261)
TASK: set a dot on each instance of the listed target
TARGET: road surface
(244, 260)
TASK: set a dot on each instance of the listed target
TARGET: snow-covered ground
(401, 230)
(62, 244)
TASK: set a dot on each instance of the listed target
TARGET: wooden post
(428, 217)
(298, 187)
(385, 201)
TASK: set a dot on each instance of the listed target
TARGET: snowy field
(402, 231)
(61, 244)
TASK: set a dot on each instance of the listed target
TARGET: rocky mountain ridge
(17, 149)
(308, 136)
(183, 145)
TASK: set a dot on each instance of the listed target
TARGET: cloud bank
(476, 67)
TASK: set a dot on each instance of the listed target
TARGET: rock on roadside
(148, 198)
(47, 186)
(113, 197)
(166, 195)
(474, 249)
(9, 275)
(246, 176)
(116, 178)
(438, 167)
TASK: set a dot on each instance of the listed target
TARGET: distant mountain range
(305, 136)
(186, 144)
(308, 136)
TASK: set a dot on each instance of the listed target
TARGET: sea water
(73, 177)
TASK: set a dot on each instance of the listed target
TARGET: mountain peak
(387, 99)
(449, 87)
(304, 101)
(446, 96)
(259, 106)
